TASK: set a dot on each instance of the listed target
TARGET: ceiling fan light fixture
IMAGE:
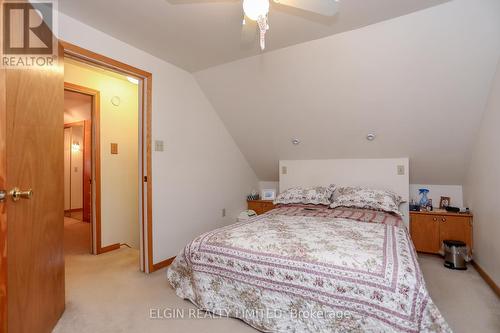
(255, 9)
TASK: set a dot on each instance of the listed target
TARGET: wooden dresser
(260, 206)
(429, 229)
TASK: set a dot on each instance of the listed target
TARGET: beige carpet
(76, 236)
(107, 293)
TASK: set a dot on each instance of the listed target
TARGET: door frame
(3, 215)
(145, 169)
(95, 230)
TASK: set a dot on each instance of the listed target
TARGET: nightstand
(429, 229)
(260, 206)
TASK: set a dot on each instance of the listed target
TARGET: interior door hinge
(145, 179)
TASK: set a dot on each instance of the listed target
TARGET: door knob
(16, 194)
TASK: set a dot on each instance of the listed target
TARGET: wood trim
(440, 213)
(3, 206)
(163, 264)
(487, 278)
(80, 89)
(96, 59)
(96, 126)
(73, 210)
(74, 124)
(148, 110)
(79, 52)
(108, 248)
(87, 174)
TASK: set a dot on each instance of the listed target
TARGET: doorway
(114, 187)
(77, 172)
(144, 82)
(32, 150)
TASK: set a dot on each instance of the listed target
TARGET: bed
(300, 268)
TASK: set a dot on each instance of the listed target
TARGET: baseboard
(108, 248)
(487, 278)
(74, 210)
(162, 264)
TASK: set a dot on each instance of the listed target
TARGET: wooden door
(424, 231)
(87, 171)
(31, 238)
(456, 228)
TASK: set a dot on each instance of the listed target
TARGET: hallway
(76, 236)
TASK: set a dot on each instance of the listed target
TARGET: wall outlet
(401, 170)
(159, 145)
(284, 170)
(223, 212)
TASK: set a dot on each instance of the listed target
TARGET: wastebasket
(455, 254)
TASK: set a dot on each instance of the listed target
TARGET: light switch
(114, 148)
(401, 170)
(284, 170)
(158, 145)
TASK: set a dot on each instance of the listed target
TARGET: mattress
(303, 269)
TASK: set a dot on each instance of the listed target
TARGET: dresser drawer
(260, 206)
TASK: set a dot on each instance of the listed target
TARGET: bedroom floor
(107, 293)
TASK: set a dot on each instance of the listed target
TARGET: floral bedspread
(287, 271)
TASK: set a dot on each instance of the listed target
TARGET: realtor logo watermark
(27, 34)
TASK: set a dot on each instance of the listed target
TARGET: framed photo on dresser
(268, 194)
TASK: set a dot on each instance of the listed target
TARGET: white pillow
(318, 195)
(359, 197)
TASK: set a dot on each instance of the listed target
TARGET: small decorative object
(444, 202)
(253, 196)
(429, 205)
(269, 194)
(423, 199)
(414, 207)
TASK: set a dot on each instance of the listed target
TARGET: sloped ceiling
(197, 34)
(420, 82)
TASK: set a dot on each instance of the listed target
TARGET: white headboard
(373, 173)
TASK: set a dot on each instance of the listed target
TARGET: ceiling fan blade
(322, 7)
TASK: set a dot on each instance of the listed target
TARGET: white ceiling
(198, 34)
(420, 82)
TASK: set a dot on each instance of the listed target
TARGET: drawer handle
(435, 219)
(443, 219)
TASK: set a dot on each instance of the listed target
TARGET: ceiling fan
(258, 11)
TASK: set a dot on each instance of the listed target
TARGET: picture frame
(429, 207)
(444, 202)
(268, 194)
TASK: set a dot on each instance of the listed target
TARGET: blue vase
(424, 200)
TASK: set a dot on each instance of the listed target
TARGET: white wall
(201, 170)
(455, 192)
(73, 168)
(76, 170)
(372, 173)
(263, 185)
(482, 186)
(419, 81)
